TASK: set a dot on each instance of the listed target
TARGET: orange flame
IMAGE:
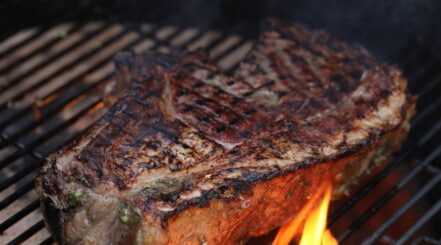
(313, 215)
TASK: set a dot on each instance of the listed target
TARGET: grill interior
(52, 74)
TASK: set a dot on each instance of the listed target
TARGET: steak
(189, 155)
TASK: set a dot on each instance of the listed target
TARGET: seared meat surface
(190, 155)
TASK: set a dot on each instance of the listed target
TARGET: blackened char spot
(236, 100)
(249, 111)
(144, 104)
(234, 121)
(55, 223)
(182, 91)
(151, 93)
(296, 58)
(246, 134)
(201, 102)
(120, 183)
(253, 177)
(385, 93)
(204, 119)
(341, 82)
(268, 83)
(221, 129)
(280, 94)
(131, 115)
(186, 108)
(198, 84)
(331, 96)
(355, 74)
(238, 185)
(153, 144)
(151, 165)
(167, 132)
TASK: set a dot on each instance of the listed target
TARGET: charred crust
(234, 121)
(54, 223)
(144, 104)
(151, 164)
(119, 182)
(246, 134)
(236, 100)
(198, 84)
(221, 129)
(249, 111)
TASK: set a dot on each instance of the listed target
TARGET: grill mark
(120, 128)
(290, 76)
(249, 111)
(119, 182)
(143, 104)
(326, 44)
(234, 121)
(151, 93)
(269, 83)
(291, 37)
(131, 115)
(164, 129)
(182, 91)
(151, 164)
(198, 84)
(221, 129)
(341, 82)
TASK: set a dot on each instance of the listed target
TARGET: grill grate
(51, 80)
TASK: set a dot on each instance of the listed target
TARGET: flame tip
(313, 215)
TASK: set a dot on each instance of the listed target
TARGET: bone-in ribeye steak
(189, 155)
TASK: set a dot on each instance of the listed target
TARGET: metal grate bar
(48, 241)
(53, 109)
(16, 217)
(428, 110)
(28, 233)
(17, 44)
(382, 229)
(230, 50)
(430, 134)
(90, 68)
(422, 70)
(22, 149)
(366, 189)
(17, 194)
(20, 174)
(379, 203)
(426, 241)
(33, 165)
(41, 30)
(430, 86)
(65, 67)
(432, 211)
(50, 43)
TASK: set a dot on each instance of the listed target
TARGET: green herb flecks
(128, 215)
(75, 197)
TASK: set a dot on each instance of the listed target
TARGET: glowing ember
(313, 216)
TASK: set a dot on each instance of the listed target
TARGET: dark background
(386, 28)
